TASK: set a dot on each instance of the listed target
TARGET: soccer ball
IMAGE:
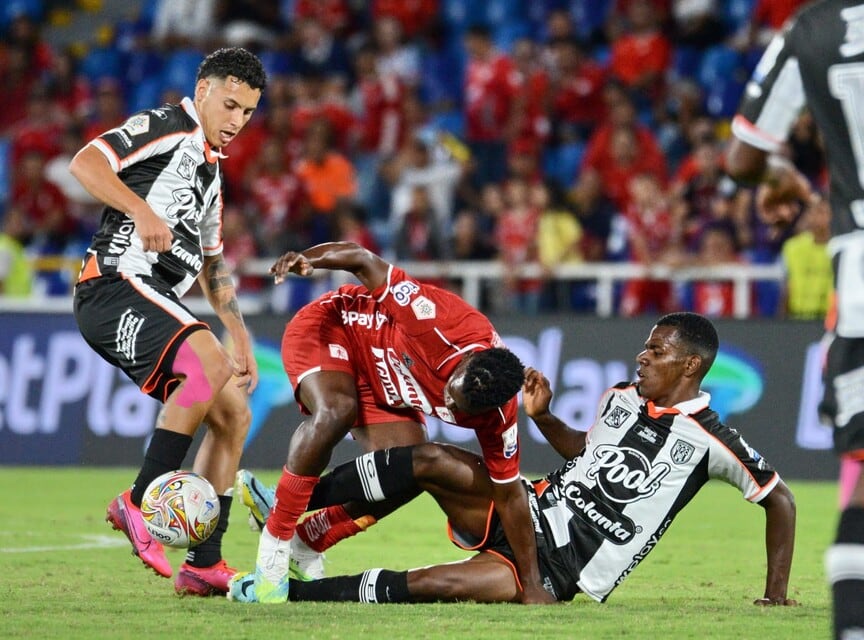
(180, 509)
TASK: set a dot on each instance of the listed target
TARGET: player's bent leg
(373, 437)
(482, 578)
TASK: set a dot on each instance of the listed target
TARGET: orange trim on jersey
(654, 412)
(540, 486)
(90, 269)
(153, 379)
(753, 130)
(831, 313)
(133, 157)
(507, 561)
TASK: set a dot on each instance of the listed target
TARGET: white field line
(90, 542)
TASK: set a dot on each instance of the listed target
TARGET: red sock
(292, 498)
(326, 527)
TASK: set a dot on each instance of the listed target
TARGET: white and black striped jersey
(602, 513)
(818, 60)
(163, 156)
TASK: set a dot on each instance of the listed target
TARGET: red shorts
(316, 340)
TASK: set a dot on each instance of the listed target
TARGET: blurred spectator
(82, 206)
(414, 16)
(69, 88)
(377, 104)
(715, 298)
(318, 97)
(40, 129)
(490, 88)
(618, 150)
(320, 53)
(809, 274)
(576, 98)
(516, 237)
(523, 161)
(694, 188)
(239, 248)
(327, 178)
(349, 225)
(531, 99)
(766, 21)
(16, 272)
(248, 23)
(419, 166)
(468, 239)
(651, 238)
(18, 78)
(110, 108)
(697, 23)
(396, 56)
(619, 16)
(179, 24)
(43, 205)
(559, 242)
(25, 32)
(333, 15)
(279, 201)
(420, 236)
(641, 54)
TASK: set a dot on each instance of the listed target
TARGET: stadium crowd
(547, 132)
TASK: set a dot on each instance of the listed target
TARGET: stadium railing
(474, 275)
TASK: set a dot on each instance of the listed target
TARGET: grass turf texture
(66, 574)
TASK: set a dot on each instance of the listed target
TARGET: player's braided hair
(492, 377)
(234, 61)
(697, 334)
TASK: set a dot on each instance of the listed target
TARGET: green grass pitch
(65, 574)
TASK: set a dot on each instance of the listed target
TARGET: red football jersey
(410, 336)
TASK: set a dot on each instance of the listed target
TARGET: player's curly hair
(697, 334)
(492, 377)
(234, 61)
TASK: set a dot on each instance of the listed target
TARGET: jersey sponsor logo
(338, 352)
(510, 440)
(402, 292)
(424, 308)
(625, 475)
(400, 387)
(124, 138)
(367, 320)
(615, 527)
(681, 452)
(136, 125)
(186, 167)
(616, 417)
(121, 238)
(126, 337)
(646, 433)
(159, 113)
(187, 257)
(639, 556)
(184, 206)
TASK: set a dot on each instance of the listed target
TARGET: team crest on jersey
(136, 125)
(616, 417)
(681, 452)
(338, 351)
(510, 438)
(186, 167)
(424, 308)
(445, 414)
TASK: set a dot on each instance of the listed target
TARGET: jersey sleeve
(773, 97)
(144, 135)
(498, 435)
(734, 461)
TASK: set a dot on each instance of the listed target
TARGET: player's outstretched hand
(291, 262)
(775, 602)
(536, 393)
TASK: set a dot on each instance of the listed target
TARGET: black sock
(375, 585)
(372, 477)
(209, 552)
(845, 566)
(165, 453)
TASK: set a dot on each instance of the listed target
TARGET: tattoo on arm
(222, 287)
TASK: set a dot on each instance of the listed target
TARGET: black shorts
(135, 327)
(843, 402)
(558, 579)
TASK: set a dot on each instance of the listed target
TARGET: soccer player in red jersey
(372, 359)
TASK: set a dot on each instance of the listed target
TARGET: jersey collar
(211, 154)
(687, 408)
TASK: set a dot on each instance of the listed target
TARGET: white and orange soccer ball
(180, 509)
